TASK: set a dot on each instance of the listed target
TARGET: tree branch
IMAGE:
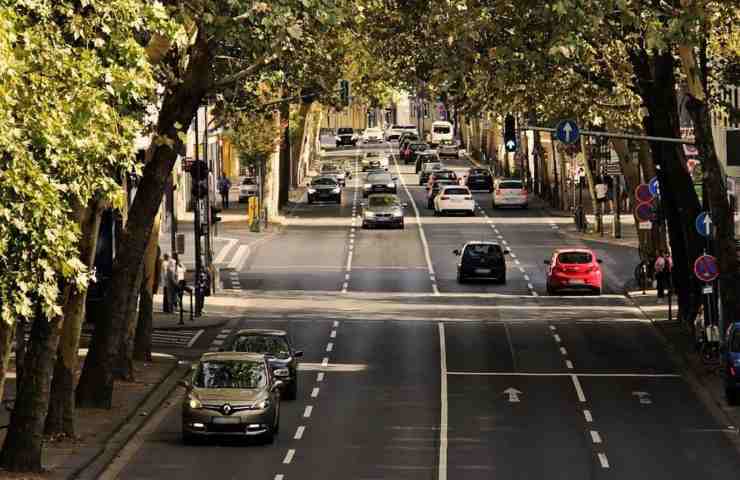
(230, 79)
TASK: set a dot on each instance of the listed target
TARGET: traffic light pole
(196, 225)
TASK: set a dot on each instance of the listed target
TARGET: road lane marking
(289, 456)
(517, 262)
(569, 365)
(230, 243)
(299, 432)
(442, 471)
(336, 323)
(603, 460)
(556, 337)
(307, 411)
(315, 392)
(320, 377)
(530, 286)
(579, 388)
(240, 257)
(563, 351)
(595, 437)
(333, 334)
(526, 277)
(346, 276)
(345, 286)
(329, 347)
(195, 338)
(422, 235)
(587, 416)
(325, 362)
(279, 476)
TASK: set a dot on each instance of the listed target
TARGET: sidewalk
(704, 380)
(101, 433)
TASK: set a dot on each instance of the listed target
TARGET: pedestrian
(224, 184)
(699, 330)
(180, 276)
(171, 282)
(166, 300)
(660, 274)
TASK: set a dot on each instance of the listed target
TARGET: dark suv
(346, 136)
(479, 179)
(482, 260)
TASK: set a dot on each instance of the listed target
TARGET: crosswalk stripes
(169, 338)
(219, 340)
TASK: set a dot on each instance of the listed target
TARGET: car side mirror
(298, 353)
(456, 252)
(277, 385)
(598, 260)
(183, 383)
(547, 262)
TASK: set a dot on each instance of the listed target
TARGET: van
(441, 130)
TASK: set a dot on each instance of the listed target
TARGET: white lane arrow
(644, 397)
(513, 394)
(567, 129)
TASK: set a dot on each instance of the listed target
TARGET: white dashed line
(603, 460)
(595, 437)
(336, 323)
(279, 476)
(325, 362)
(333, 334)
(553, 328)
(569, 365)
(526, 277)
(329, 347)
(517, 262)
(320, 377)
(530, 286)
(307, 412)
(315, 392)
(299, 432)
(563, 351)
(289, 456)
(346, 276)
(587, 416)
(521, 269)
(579, 389)
(556, 337)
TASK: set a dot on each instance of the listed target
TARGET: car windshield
(248, 181)
(510, 185)
(345, 131)
(457, 191)
(265, 344)
(441, 129)
(382, 201)
(324, 181)
(230, 374)
(574, 257)
(432, 166)
(482, 251)
(379, 178)
(448, 175)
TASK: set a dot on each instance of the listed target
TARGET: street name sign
(567, 131)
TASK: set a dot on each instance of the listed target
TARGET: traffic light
(510, 141)
(344, 92)
(199, 176)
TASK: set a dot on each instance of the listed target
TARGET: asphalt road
(409, 375)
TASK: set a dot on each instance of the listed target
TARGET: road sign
(643, 397)
(613, 169)
(645, 211)
(642, 193)
(654, 186)
(706, 268)
(567, 132)
(703, 224)
(645, 225)
(513, 394)
(707, 290)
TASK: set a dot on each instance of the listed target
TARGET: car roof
(233, 356)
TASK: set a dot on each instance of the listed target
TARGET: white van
(441, 130)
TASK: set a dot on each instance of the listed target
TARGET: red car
(573, 269)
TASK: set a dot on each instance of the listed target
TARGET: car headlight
(368, 186)
(336, 190)
(337, 138)
(311, 190)
(391, 185)
(264, 404)
(369, 214)
(194, 403)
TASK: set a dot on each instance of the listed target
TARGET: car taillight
(444, 197)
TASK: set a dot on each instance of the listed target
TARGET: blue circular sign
(567, 132)
(703, 224)
(654, 186)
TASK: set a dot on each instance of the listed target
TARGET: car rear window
(432, 166)
(379, 178)
(383, 201)
(441, 129)
(450, 175)
(510, 185)
(457, 191)
(479, 172)
(482, 251)
(265, 344)
(248, 181)
(325, 181)
(418, 146)
(575, 257)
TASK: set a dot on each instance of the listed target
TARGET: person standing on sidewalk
(171, 282)
(180, 277)
(224, 184)
(661, 274)
(166, 300)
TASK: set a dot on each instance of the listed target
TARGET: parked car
(574, 269)
(379, 183)
(231, 394)
(481, 260)
(382, 210)
(324, 188)
(408, 154)
(731, 363)
(454, 199)
(448, 148)
(441, 130)
(435, 188)
(510, 193)
(372, 135)
(427, 169)
(346, 136)
(248, 188)
(276, 346)
(479, 179)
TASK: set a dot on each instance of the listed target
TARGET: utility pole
(197, 166)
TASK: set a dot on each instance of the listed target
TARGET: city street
(408, 374)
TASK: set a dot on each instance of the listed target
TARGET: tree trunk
(20, 349)
(149, 284)
(178, 109)
(715, 187)
(21, 451)
(124, 366)
(585, 152)
(655, 78)
(7, 331)
(61, 417)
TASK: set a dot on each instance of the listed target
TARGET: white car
(248, 188)
(374, 160)
(510, 193)
(454, 198)
(448, 148)
(441, 131)
(372, 135)
(393, 134)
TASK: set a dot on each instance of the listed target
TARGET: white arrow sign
(567, 129)
(644, 397)
(513, 394)
(708, 223)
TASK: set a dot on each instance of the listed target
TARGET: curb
(128, 427)
(712, 403)
(192, 325)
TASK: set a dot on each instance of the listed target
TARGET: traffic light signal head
(510, 141)
(199, 176)
(344, 92)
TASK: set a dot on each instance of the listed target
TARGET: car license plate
(226, 420)
(482, 270)
(576, 282)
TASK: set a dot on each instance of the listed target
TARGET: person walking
(660, 274)
(180, 277)
(171, 282)
(166, 301)
(224, 185)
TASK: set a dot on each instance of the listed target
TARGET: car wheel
(268, 438)
(597, 291)
(292, 391)
(403, 226)
(460, 277)
(549, 290)
(471, 213)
